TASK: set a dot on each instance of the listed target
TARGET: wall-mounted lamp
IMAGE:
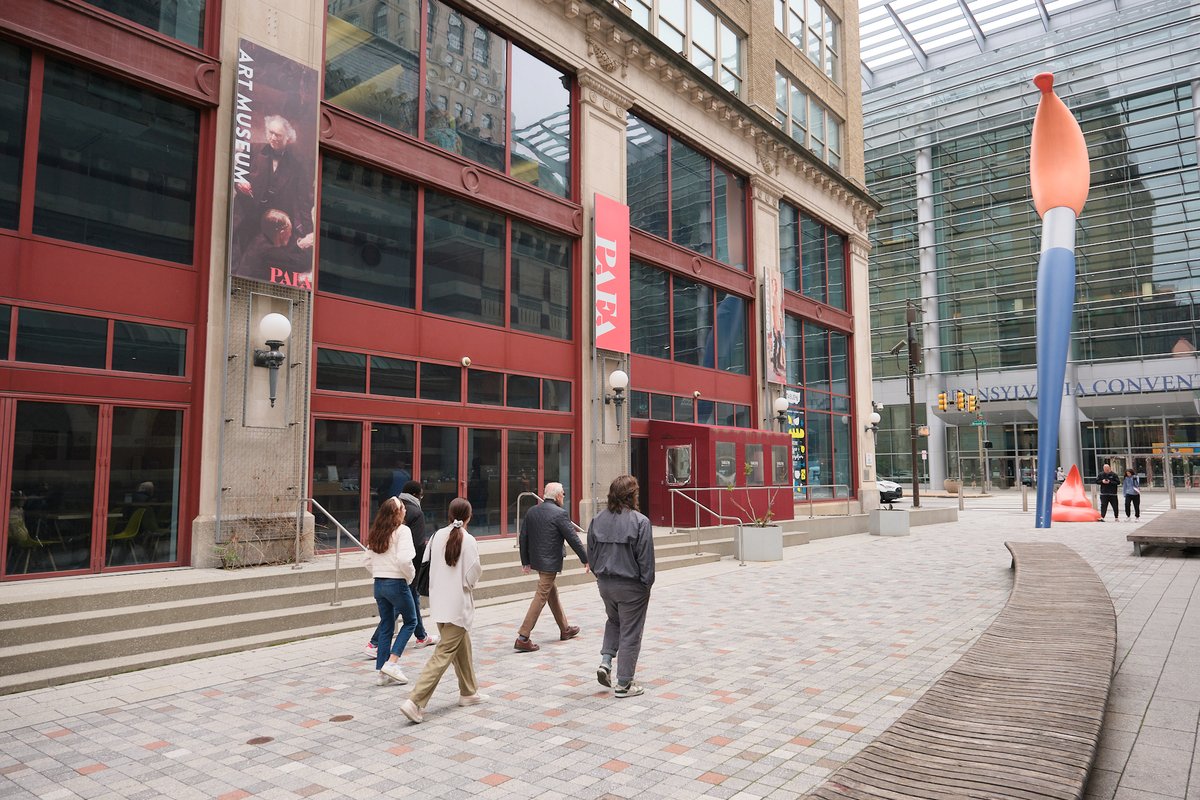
(274, 330)
(781, 406)
(872, 426)
(618, 380)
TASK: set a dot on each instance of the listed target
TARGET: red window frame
(100, 279)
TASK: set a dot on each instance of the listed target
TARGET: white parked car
(889, 491)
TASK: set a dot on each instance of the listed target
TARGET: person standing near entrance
(621, 546)
(1132, 488)
(1109, 481)
(545, 527)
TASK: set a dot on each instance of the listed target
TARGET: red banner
(611, 261)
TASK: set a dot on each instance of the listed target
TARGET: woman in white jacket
(390, 557)
(454, 568)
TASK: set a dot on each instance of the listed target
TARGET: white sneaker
(370, 650)
(472, 699)
(392, 670)
(409, 709)
(383, 680)
(428, 641)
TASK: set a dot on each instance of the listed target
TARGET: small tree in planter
(767, 543)
(753, 518)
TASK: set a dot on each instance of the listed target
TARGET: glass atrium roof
(906, 32)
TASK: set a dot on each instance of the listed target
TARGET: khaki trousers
(546, 594)
(453, 648)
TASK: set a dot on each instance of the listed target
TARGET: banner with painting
(273, 171)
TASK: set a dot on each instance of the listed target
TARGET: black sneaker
(604, 675)
(630, 689)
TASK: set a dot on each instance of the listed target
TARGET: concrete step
(60, 673)
(175, 584)
(176, 612)
(90, 632)
(214, 629)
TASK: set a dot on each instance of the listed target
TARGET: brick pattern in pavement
(760, 681)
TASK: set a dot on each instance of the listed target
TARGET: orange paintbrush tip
(1058, 161)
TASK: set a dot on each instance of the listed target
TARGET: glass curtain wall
(1136, 284)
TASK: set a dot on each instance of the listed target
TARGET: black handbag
(421, 580)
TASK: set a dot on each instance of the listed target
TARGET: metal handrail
(337, 553)
(535, 496)
(769, 487)
(834, 486)
(700, 505)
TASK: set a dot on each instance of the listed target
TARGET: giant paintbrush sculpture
(1059, 176)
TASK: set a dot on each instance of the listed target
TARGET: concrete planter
(952, 485)
(889, 523)
(762, 544)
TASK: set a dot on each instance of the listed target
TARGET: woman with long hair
(620, 548)
(454, 569)
(390, 556)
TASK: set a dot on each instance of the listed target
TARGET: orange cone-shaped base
(1071, 503)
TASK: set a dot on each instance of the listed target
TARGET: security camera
(466, 361)
(897, 348)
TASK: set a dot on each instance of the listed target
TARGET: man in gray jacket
(545, 527)
(620, 541)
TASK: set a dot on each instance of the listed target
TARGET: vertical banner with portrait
(273, 172)
(611, 265)
(776, 349)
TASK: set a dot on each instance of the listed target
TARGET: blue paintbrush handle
(1055, 301)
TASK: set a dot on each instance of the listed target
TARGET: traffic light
(972, 403)
(960, 399)
(941, 401)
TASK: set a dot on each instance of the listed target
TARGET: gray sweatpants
(625, 603)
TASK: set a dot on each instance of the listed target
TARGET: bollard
(1024, 497)
(960, 498)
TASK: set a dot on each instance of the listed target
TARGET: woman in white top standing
(390, 556)
(454, 568)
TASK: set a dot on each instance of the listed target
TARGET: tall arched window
(479, 48)
(381, 20)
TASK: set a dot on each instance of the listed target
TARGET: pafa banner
(611, 262)
(271, 221)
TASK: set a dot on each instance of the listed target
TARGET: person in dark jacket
(414, 518)
(1109, 481)
(621, 547)
(545, 527)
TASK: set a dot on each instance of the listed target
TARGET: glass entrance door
(91, 487)
(502, 464)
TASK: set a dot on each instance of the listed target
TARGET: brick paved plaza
(760, 681)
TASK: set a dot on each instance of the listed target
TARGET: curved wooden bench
(1019, 715)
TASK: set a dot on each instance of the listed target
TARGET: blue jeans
(421, 634)
(393, 598)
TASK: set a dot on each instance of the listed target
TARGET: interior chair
(126, 536)
(19, 539)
